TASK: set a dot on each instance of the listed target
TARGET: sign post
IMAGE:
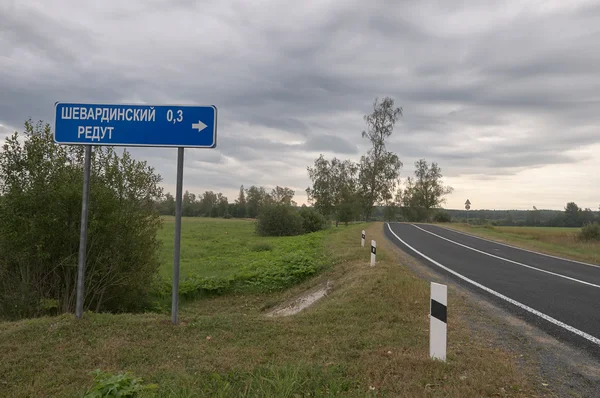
(83, 233)
(177, 246)
(178, 126)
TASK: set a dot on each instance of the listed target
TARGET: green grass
(368, 337)
(561, 242)
(219, 256)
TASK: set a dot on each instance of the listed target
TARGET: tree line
(248, 204)
(571, 216)
(346, 191)
(341, 190)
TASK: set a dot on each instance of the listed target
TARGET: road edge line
(501, 296)
(507, 260)
(516, 247)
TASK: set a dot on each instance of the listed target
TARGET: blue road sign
(135, 125)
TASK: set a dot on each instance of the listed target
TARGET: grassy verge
(368, 337)
(561, 242)
(222, 256)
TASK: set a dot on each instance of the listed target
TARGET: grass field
(554, 241)
(367, 337)
(220, 255)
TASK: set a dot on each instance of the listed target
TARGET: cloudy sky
(504, 95)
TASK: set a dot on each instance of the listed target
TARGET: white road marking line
(507, 260)
(518, 248)
(503, 297)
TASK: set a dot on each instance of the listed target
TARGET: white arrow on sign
(200, 126)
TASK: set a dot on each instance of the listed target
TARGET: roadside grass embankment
(368, 337)
(562, 242)
(223, 256)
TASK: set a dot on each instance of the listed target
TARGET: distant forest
(250, 201)
(571, 216)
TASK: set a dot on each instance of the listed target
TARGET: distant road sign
(135, 125)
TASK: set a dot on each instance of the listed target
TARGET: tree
(41, 188)
(334, 188)
(189, 206)
(241, 204)
(256, 197)
(207, 203)
(533, 217)
(392, 206)
(587, 216)
(572, 215)
(166, 206)
(379, 169)
(222, 205)
(426, 191)
(283, 195)
(322, 193)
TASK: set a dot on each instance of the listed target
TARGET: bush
(41, 185)
(312, 220)
(442, 216)
(590, 233)
(261, 247)
(279, 220)
(122, 385)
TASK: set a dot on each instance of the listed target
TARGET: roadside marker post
(362, 241)
(373, 252)
(177, 126)
(438, 321)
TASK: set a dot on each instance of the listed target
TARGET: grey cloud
(36, 33)
(283, 123)
(286, 77)
(330, 143)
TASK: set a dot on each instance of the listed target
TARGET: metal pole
(178, 198)
(83, 233)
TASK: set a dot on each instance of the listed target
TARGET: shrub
(107, 385)
(279, 220)
(312, 220)
(41, 185)
(261, 247)
(590, 233)
(442, 216)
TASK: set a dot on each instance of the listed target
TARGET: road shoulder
(559, 368)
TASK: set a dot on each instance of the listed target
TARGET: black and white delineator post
(362, 241)
(373, 252)
(437, 321)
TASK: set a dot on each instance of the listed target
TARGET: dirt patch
(303, 301)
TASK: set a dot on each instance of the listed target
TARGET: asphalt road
(560, 296)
